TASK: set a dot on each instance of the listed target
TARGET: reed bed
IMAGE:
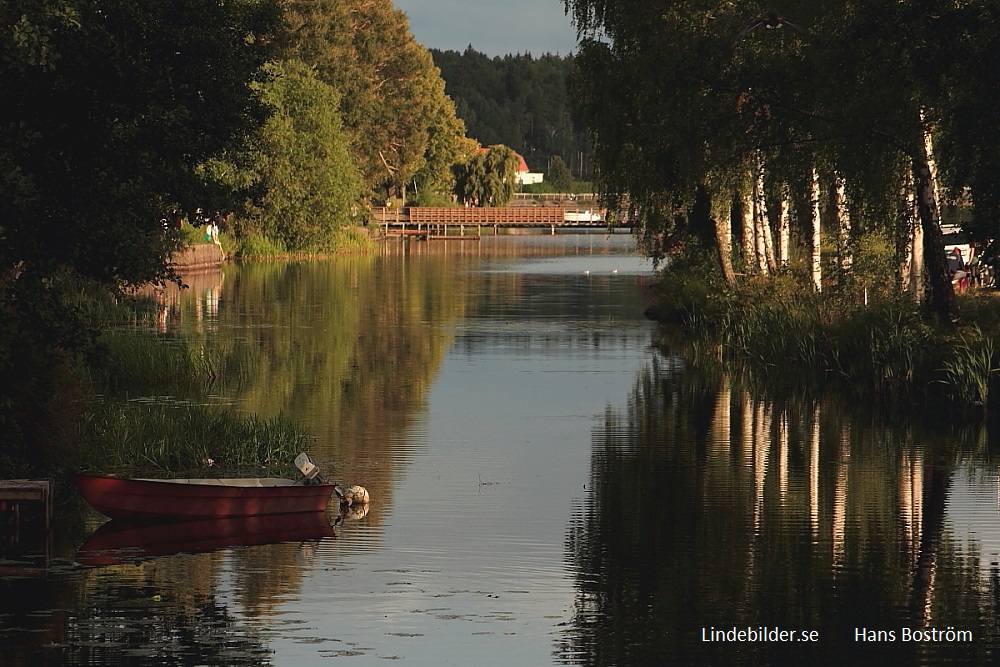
(157, 436)
(970, 369)
(878, 344)
(139, 362)
(194, 440)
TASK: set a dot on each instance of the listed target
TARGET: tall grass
(145, 438)
(136, 362)
(969, 370)
(343, 240)
(875, 341)
(256, 245)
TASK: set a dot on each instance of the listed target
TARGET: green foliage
(488, 178)
(518, 101)
(191, 235)
(393, 105)
(558, 175)
(431, 198)
(874, 268)
(131, 438)
(310, 182)
(691, 294)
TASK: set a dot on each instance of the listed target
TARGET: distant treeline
(518, 101)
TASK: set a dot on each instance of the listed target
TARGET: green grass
(172, 436)
(159, 439)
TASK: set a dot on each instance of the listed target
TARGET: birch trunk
(843, 225)
(817, 238)
(914, 266)
(784, 225)
(765, 240)
(721, 212)
(942, 295)
(748, 229)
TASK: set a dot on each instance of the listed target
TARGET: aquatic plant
(164, 437)
(970, 368)
(259, 246)
(137, 362)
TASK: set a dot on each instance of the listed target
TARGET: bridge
(435, 221)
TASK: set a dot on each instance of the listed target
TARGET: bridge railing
(515, 215)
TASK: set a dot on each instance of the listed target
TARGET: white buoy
(353, 495)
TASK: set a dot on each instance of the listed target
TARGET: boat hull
(123, 498)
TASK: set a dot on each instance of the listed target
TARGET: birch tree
(675, 90)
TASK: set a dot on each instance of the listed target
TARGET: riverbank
(880, 344)
(200, 256)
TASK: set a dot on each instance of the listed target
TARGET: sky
(493, 27)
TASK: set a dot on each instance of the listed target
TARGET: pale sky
(493, 27)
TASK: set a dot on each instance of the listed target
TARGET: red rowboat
(118, 542)
(181, 499)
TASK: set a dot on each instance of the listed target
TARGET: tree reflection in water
(714, 507)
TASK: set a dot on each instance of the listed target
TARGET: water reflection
(123, 542)
(547, 489)
(716, 508)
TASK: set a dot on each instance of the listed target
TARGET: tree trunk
(784, 225)
(749, 233)
(913, 268)
(817, 237)
(721, 212)
(765, 239)
(942, 295)
(843, 226)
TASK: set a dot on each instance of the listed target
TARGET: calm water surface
(550, 487)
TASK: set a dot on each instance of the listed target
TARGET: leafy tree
(392, 97)
(488, 178)
(683, 99)
(558, 175)
(310, 184)
(109, 109)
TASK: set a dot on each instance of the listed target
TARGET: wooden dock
(13, 492)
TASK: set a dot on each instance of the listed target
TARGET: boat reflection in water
(120, 542)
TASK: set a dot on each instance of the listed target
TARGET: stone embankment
(201, 256)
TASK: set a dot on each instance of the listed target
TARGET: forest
(521, 102)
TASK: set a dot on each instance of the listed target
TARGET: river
(550, 487)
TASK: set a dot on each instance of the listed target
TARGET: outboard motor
(310, 473)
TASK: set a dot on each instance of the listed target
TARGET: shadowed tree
(109, 109)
